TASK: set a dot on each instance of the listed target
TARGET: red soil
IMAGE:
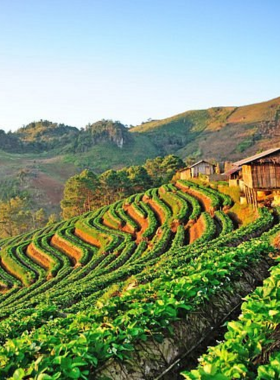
(196, 230)
(64, 246)
(128, 229)
(174, 225)
(157, 210)
(38, 257)
(205, 201)
(87, 238)
(142, 222)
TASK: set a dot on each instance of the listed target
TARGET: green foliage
(241, 147)
(247, 338)
(67, 320)
(17, 218)
(225, 222)
(86, 191)
(162, 169)
(80, 194)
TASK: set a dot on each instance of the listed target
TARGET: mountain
(224, 133)
(220, 132)
(41, 156)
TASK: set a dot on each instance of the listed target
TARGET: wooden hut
(201, 167)
(233, 175)
(260, 173)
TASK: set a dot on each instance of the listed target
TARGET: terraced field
(137, 289)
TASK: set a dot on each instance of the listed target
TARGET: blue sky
(78, 61)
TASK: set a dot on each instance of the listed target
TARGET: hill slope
(43, 152)
(223, 133)
(122, 292)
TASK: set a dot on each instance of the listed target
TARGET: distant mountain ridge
(220, 132)
(46, 136)
(41, 156)
(223, 133)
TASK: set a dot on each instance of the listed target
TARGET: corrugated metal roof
(256, 157)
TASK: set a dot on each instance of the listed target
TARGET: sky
(79, 61)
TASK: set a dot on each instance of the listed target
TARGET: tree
(162, 169)
(139, 178)
(170, 165)
(53, 218)
(154, 170)
(15, 217)
(80, 194)
(109, 182)
(40, 218)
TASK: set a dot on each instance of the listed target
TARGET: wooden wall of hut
(202, 168)
(247, 175)
(261, 176)
(266, 176)
(185, 174)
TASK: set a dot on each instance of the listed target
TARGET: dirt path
(34, 254)
(204, 201)
(157, 210)
(87, 238)
(196, 230)
(74, 253)
(142, 222)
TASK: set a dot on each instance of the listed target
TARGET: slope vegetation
(123, 292)
(220, 132)
(45, 152)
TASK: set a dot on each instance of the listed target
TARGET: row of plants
(251, 346)
(178, 256)
(138, 209)
(152, 221)
(263, 223)
(42, 242)
(124, 318)
(209, 230)
(109, 260)
(16, 266)
(13, 300)
(225, 222)
(194, 203)
(164, 210)
(179, 206)
(54, 263)
(214, 197)
(94, 284)
(126, 219)
(226, 199)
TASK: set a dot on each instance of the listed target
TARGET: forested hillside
(185, 134)
(221, 132)
(129, 290)
(37, 159)
(86, 191)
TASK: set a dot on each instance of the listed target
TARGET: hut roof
(182, 170)
(199, 162)
(256, 157)
(193, 165)
(232, 171)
